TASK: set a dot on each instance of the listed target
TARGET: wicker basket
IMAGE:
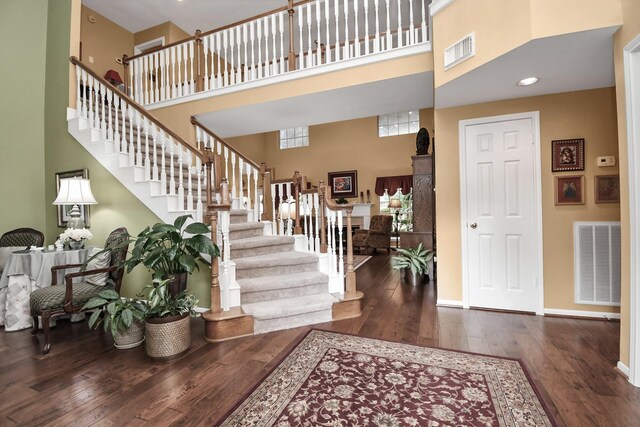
(132, 337)
(167, 337)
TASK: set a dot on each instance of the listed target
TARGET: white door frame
(632, 64)
(157, 42)
(535, 118)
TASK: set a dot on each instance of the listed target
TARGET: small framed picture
(343, 184)
(569, 190)
(63, 210)
(567, 155)
(607, 188)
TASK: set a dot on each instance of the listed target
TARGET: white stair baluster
(247, 172)
(156, 79)
(233, 181)
(366, 27)
(327, 43)
(240, 183)
(256, 201)
(215, 40)
(336, 17)
(265, 25)
(412, 35)
(190, 172)
(226, 36)
(226, 161)
(132, 149)
(103, 124)
(273, 209)
(110, 117)
(206, 46)
(340, 248)
(178, 82)
(147, 161)
(117, 112)
(330, 241)
(307, 221)
(138, 139)
(172, 178)
(388, 38)
(309, 42)
(282, 67)
(356, 39)
(259, 71)
(79, 97)
(399, 36)
(316, 209)
(300, 12)
(239, 77)
(84, 97)
(376, 40)
(174, 88)
(199, 201)
(144, 81)
(274, 63)
(132, 71)
(423, 25)
(252, 35)
(160, 78)
(318, 34)
(244, 74)
(232, 42)
(181, 176)
(192, 80)
(93, 98)
(154, 137)
(163, 171)
(347, 42)
(123, 128)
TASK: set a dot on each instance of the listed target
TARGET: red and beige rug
(331, 379)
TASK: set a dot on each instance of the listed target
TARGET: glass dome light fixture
(528, 81)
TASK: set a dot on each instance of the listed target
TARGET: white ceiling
(386, 96)
(566, 63)
(190, 15)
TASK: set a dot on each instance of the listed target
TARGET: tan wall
(630, 29)
(105, 41)
(586, 114)
(253, 147)
(521, 20)
(340, 146)
(168, 30)
(177, 116)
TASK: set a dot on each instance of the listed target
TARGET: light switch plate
(607, 161)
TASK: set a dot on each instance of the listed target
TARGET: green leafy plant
(416, 259)
(115, 313)
(169, 249)
(162, 304)
(342, 201)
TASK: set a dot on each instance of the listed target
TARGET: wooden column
(267, 213)
(211, 217)
(292, 53)
(297, 182)
(199, 56)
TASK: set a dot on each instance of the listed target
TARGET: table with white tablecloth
(25, 272)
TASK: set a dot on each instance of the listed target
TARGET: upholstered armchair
(103, 271)
(24, 237)
(378, 236)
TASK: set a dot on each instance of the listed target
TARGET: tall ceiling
(190, 15)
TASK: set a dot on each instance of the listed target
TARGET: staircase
(280, 287)
(265, 284)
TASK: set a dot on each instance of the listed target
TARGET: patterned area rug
(332, 379)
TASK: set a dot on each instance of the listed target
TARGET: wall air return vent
(596, 252)
(460, 51)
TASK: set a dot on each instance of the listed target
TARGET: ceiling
(353, 102)
(576, 61)
(190, 15)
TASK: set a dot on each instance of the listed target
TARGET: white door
(500, 215)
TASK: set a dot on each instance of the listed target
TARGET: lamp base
(76, 220)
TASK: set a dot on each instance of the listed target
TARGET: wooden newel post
(211, 217)
(351, 274)
(297, 183)
(267, 212)
(321, 202)
(125, 64)
(292, 53)
(199, 56)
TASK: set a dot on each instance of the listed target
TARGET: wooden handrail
(208, 131)
(138, 107)
(159, 48)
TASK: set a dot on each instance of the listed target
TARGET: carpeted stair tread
(261, 241)
(289, 307)
(282, 281)
(275, 260)
(246, 226)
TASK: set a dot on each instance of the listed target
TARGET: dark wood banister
(215, 30)
(137, 107)
(195, 122)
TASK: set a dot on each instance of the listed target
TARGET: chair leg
(47, 332)
(34, 330)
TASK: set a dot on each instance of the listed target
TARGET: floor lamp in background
(396, 204)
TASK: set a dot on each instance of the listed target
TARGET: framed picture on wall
(567, 155)
(63, 210)
(343, 184)
(569, 190)
(607, 189)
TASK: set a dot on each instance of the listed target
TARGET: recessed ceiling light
(528, 81)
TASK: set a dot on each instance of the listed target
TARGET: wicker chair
(55, 300)
(378, 236)
(22, 237)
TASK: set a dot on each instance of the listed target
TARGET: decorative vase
(177, 282)
(167, 337)
(416, 279)
(131, 337)
(76, 244)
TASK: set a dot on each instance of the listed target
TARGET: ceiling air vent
(460, 51)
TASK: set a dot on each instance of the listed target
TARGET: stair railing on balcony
(301, 35)
(242, 173)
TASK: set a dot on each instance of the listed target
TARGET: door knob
(474, 225)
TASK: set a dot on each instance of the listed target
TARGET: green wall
(23, 36)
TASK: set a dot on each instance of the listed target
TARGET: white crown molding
(438, 6)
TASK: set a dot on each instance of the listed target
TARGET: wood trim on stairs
(349, 307)
(227, 325)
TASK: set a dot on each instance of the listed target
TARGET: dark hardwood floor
(85, 381)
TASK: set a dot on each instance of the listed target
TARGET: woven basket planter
(132, 337)
(167, 337)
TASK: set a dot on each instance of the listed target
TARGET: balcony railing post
(292, 53)
(322, 206)
(297, 182)
(199, 56)
(267, 212)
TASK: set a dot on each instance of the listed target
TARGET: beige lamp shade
(395, 204)
(75, 191)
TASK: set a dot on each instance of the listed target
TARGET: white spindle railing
(324, 31)
(140, 141)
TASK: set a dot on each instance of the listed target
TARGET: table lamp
(396, 204)
(288, 211)
(75, 192)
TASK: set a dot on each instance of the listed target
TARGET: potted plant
(414, 262)
(172, 251)
(167, 325)
(124, 317)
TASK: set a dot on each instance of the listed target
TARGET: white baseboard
(448, 303)
(581, 313)
(623, 368)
